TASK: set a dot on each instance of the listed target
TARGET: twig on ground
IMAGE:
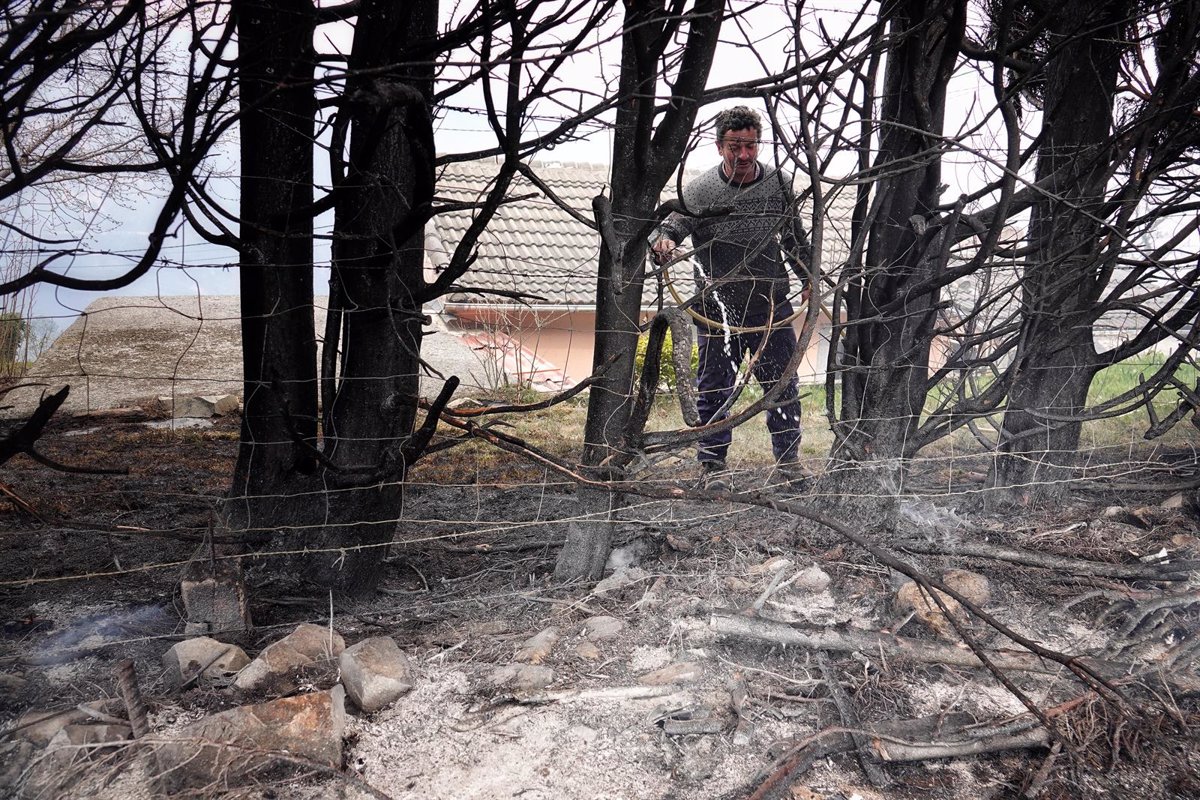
(1038, 779)
(899, 740)
(19, 503)
(875, 775)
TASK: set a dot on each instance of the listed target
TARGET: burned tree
(1096, 164)
(885, 366)
(647, 146)
(333, 491)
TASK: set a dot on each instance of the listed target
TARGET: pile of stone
(291, 714)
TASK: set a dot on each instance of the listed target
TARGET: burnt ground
(89, 567)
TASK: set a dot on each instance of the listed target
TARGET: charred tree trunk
(279, 352)
(383, 202)
(1064, 275)
(336, 504)
(644, 156)
(885, 368)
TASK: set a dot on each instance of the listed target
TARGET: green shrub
(666, 375)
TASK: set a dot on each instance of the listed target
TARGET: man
(743, 284)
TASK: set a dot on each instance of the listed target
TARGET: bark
(885, 369)
(279, 355)
(1065, 274)
(375, 292)
(644, 156)
(335, 505)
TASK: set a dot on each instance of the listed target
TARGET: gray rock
(812, 579)
(12, 684)
(536, 649)
(39, 726)
(375, 673)
(308, 645)
(1175, 502)
(214, 599)
(234, 748)
(522, 677)
(219, 662)
(602, 628)
(621, 579)
(587, 651)
(315, 641)
(199, 406)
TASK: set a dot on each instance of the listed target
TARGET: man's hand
(662, 250)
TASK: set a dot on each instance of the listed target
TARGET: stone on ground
(679, 672)
(234, 748)
(199, 406)
(80, 742)
(307, 646)
(39, 726)
(812, 579)
(911, 597)
(214, 599)
(522, 677)
(602, 628)
(536, 649)
(375, 673)
(587, 651)
(620, 580)
(210, 662)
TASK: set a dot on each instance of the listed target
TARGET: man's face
(739, 151)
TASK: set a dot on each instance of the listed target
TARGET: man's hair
(737, 118)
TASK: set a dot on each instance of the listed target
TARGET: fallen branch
(23, 438)
(593, 695)
(1038, 779)
(847, 640)
(1177, 571)
(890, 750)
(514, 547)
(899, 740)
(19, 503)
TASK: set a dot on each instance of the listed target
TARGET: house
(536, 248)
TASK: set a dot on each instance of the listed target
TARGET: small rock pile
(291, 713)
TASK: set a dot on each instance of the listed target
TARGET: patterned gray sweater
(740, 255)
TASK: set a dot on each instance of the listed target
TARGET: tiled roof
(531, 246)
(534, 247)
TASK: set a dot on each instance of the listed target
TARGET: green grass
(1120, 378)
(560, 429)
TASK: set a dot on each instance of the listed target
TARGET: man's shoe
(794, 474)
(713, 476)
